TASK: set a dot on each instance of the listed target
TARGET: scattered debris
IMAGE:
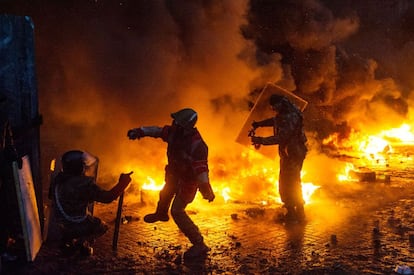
(334, 240)
(255, 212)
(178, 259)
(233, 237)
(411, 238)
(363, 174)
(127, 219)
(376, 229)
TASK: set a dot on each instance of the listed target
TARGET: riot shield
(91, 170)
(262, 110)
(29, 214)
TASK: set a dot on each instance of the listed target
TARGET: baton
(117, 222)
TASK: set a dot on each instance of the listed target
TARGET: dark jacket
(288, 132)
(187, 152)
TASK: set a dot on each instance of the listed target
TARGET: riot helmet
(185, 118)
(73, 162)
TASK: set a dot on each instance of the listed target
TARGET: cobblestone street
(361, 232)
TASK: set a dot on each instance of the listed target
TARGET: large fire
(254, 178)
(372, 150)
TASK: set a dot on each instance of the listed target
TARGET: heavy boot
(69, 247)
(198, 250)
(154, 217)
(161, 214)
(85, 249)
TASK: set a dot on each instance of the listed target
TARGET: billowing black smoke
(349, 59)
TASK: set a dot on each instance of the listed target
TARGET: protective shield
(91, 170)
(91, 165)
(262, 110)
(29, 214)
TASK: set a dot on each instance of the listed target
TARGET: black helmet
(72, 162)
(276, 99)
(186, 117)
(279, 102)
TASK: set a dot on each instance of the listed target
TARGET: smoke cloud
(342, 57)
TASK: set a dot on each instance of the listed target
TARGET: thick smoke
(345, 58)
(107, 66)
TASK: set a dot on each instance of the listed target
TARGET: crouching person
(71, 191)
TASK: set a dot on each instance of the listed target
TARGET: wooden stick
(117, 222)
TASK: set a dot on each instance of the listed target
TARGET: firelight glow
(220, 188)
(253, 177)
(344, 174)
(371, 149)
(151, 184)
(373, 146)
(403, 133)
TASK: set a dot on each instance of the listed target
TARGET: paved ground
(360, 230)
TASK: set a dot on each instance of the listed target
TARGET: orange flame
(254, 180)
(151, 184)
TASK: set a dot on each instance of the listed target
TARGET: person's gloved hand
(135, 133)
(206, 191)
(255, 125)
(125, 179)
(256, 140)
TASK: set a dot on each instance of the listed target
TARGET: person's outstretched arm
(148, 131)
(107, 196)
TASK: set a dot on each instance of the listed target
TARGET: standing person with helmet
(71, 191)
(185, 173)
(289, 135)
